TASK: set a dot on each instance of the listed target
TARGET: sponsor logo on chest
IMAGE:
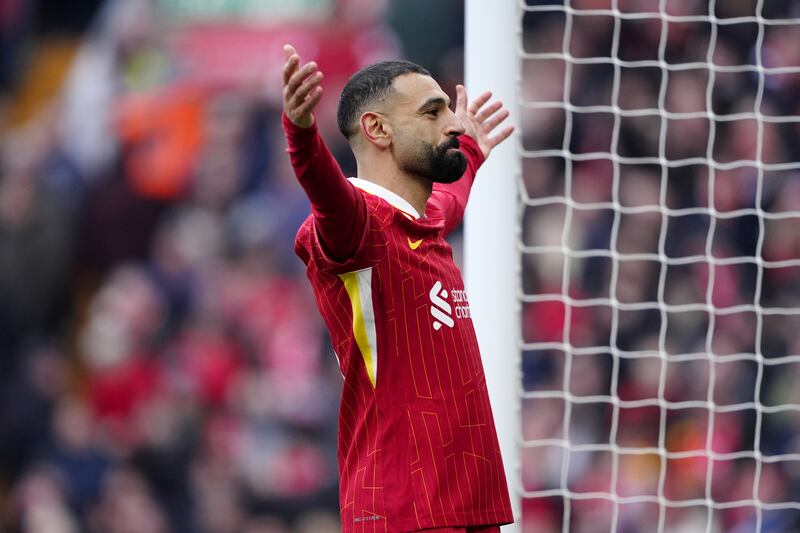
(441, 309)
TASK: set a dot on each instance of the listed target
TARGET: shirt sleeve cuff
(470, 145)
(293, 131)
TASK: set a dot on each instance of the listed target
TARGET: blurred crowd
(163, 367)
(662, 328)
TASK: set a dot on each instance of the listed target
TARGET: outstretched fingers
(495, 120)
(310, 102)
(305, 88)
(292, 61)
(488, 111)
(302, 87)
(482, 118)
(299, 76)
(461, 100)
(289, 68)
(490, 117)
(504, 134)
(289, 50)
(479, 102)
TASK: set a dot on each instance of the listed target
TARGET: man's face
(425, 130)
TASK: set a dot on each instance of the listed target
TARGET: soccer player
(418, 449)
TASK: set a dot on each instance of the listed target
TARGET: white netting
(661, 265)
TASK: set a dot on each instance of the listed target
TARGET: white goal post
(632, 257)
(490, 239)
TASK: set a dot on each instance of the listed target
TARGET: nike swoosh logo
(414, 244)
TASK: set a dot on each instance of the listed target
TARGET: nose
(455, 128)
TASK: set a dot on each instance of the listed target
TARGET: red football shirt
(417, 443)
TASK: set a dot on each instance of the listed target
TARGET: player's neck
(413, 189)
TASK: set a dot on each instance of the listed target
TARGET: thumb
(289, 51)
(461, 100)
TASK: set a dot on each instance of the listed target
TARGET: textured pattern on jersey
(417, 442)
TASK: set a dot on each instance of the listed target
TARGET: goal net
(659, 248)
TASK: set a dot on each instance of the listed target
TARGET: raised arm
(339, 210)
(479, 121)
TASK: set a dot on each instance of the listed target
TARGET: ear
(376, 129)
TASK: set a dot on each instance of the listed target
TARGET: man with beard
(418, 449)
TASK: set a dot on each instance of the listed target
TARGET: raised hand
(302, 88)
(480, 120)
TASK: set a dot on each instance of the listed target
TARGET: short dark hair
(369, 86)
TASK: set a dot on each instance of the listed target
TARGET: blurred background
(162, 364)
(682, 334)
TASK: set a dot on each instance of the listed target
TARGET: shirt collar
(393, 199)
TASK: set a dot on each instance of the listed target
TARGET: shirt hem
(499, 517)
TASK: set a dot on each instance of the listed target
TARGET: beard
(441, 164)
